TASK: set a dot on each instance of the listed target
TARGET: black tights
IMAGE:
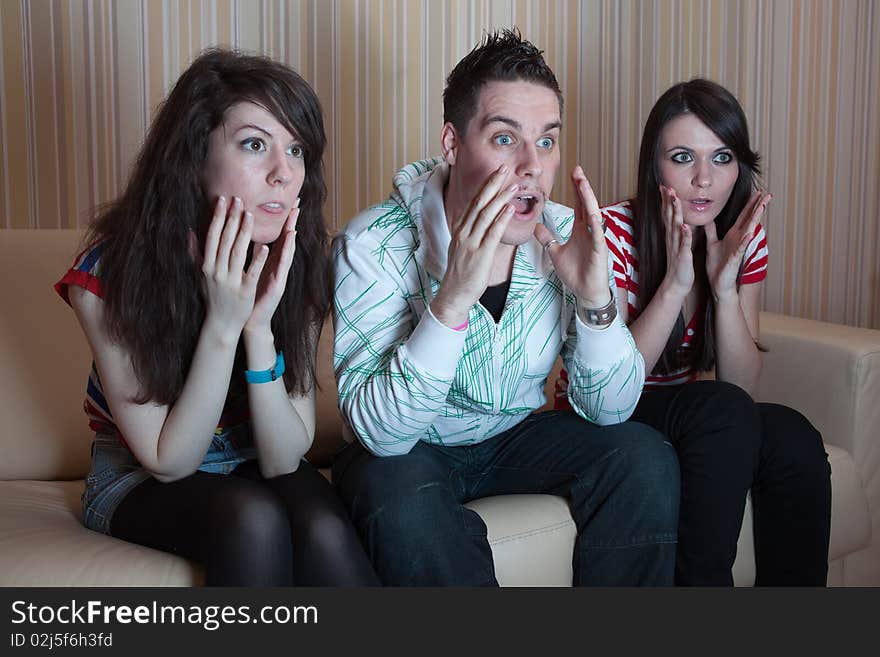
(250, 531)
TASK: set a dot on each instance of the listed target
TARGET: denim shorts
(115, 472)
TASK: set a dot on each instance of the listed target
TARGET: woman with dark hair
(690, 257)
(202, 293)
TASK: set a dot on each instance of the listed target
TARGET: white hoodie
(403, 376)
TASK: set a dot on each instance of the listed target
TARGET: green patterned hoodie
(403, 376)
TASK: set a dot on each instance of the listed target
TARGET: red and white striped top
(619, 237)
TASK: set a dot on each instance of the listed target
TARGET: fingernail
(222, 200)
(513, 187)
(296, 203)
(503, 169)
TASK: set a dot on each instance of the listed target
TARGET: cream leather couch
(830, 373)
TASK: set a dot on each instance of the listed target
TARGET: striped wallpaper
(80, 78)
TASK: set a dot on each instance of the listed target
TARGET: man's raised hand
(476, 234)
(582, 262)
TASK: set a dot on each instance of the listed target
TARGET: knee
(790, 427)
(652, 458)
(727, 400)
(400, 491)
(724, 416)
(650, 471)
(326, 531)
(790, 437)
(256, 515)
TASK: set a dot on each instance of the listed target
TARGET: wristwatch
(599, 317)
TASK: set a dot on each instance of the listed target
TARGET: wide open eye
(254, 144)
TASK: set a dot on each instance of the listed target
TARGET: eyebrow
(688, 148)
(516, 124)
(253, 127)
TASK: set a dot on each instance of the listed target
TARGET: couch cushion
(532, 538)
(43, 543)
(850, 518)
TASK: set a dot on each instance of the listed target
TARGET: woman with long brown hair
(690, 257)
(202, 292)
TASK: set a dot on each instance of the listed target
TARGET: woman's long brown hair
(151, 284)
(719, 110)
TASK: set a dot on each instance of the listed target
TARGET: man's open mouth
(524, 203)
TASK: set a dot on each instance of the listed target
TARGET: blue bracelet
(265, 376)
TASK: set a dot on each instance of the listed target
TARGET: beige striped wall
(80, 79)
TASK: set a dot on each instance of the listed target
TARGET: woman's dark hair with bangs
(720, 111)
(500, 57)
(151, 284)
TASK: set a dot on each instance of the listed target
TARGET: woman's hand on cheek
(724, 257)
(679, 257)
(274, 278)
(230, 290)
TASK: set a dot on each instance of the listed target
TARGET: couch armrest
(831, 374)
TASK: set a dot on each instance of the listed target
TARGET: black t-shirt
(493, 299)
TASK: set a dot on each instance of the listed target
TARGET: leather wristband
(265, 376)
(599, 317)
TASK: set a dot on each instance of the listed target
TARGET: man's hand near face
(582, 262)
(476, 235)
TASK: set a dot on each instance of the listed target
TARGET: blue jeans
(622, 483)
(115, 472)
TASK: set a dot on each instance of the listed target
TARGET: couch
(830, 373)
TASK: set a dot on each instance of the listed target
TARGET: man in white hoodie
(453, 300)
